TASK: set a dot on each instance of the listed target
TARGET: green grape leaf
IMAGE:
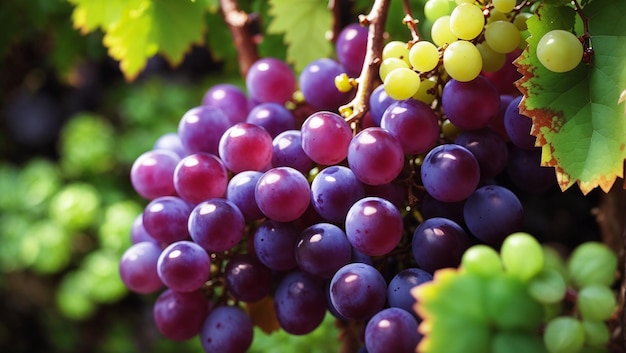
(89, 15)
(576, 115)
(304, 24)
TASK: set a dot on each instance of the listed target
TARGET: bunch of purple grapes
(246, 202)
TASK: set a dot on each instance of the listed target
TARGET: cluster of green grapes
(527, 297)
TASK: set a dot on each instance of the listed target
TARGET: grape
(492, 60)
(170, 141)
(462, 61)
(509, 306)
(520, 20)
(505, 78)
(592, 263)
(518, 126)
(481, 260)
(151, 174)
(245, 146)
(325, 138)
(201, 128)
(179, 316)
(467, 21)
(275, 244)
(427, 91)
(184, 266)
(350, 48)
(424, 56)
(227, 329)
(273, 117)
(504, 6)
(402, 83)
(374, 226)
(323, 249)
(488, 147)
(399, 289)
(559, 51)
(564, 335)
(413, 123)
(333, 191)
(450, 173)
(288, 152)
(548, 286)
(396, 49)
(283, 194)
(270, 80)
(441, 33)
(300, 303)
(230, 99)
(470, 105)
(165, 219)
(138, 232)
(392, 330)
(502, 36)
(138, 268)
(389, 65)
(493, 212)
(431, 207)
(433, 9)
(379, 101)
(375, 156)
(525, 170)
(318, 86)
(358, 291)
(216, 225)
(596, 302)
(246, 278)
(522, 255)
(200, 176)
(392, 192)
(438, 243)
(240, 191)
(596, 333)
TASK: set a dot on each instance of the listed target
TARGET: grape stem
(355, 109)
(410, 22)
(241, 27)
(585, 38)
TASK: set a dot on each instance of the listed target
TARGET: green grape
(426, 93)
(39, 180)
(496, 15)
(596, 333)
(441, 33)
(402, 83)
(433, 9)
(592, 263)
(423, 56)
(596, 302)
(342, 82)
(481, 260)
(503, 6)
(467, 21)
(547, 287)
(520, 20)
(459, 2)
(509, 306)
(552, 310)
(559, 51)
(522, 255)
(492, 61)
(396, 49)
(564, 334)
(75, 206)
(502, 36)
(462, 61)
(54, 248)
(517, 342)
(389, 65)
(449, 130)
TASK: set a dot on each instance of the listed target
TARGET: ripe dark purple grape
(525, 170)
(165, 219)
(240, 191)
(325, 137)
(247, 279)
(227, 329)
(230, 99)
(273, 117)
(413, 123)
(151, 175)
(374, 226)
(323, 249)
(488, 147)
(200, 176)
(450, 173)
(138, 268)
(392, 330)
(333, 191)
(170, 141)
(275, 244)
(438, 243)
(283, 194)
(288, 152)
(518, 126)
(216, 224)
(358, 291)
(184, 266)
(245, 146)
(399, 289)
(300, 303)
(375, 156)
(470, 105)
(270, 80)
(179, 316)
(201, 128)
(350, 48)
(317, 84)
(379, 102)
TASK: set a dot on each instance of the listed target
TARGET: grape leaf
(576, 115)
(304, 24)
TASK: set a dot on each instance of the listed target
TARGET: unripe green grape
(396, 49)
(559, 51)
(508, 304)
(342, 82)
(433, 9)
(564, 334)
(467, 21)
(390, 64)
(592, 263)
(547, 287)
(402, 83)
(441, 33)
(449, 130)
(492, 61)
(502, 36)
(496, 15)
(459, 2)
(596, 333)
(596, 302)
(520, 20)
(522, 255)
(503, 6)
(424, 56)
(462, 61)
(481, 260)
(426, 92)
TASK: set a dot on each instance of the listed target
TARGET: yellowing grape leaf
(304, 24)
(577, 117)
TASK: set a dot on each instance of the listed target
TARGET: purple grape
(270, 80)
(138, 232)
(350, 47)
(273, 117)
(450, 173)
(431, 208)
(358, 291)
(171, 142)
(374, 226)
(201, 128)
(245, 146)
(492, 213)
(151, 174)
(184, 266)
(179, 316)
(283, 194)
(358, 256)
(333, 191)
(275, 244)
(138, 268)
(227, 329)
(230, 99)
(375, 156)
(518, 126)
(413, 123)
(489, 149)
(216, 225)
(200, 176)
(525, 170)
(379, 102)
(470, 105)
(299, 303)
(439, 243)
(325, 138)
(497, 123)
(395, 193)
(240, 191)
(288, 152)
(392, 330)
(323, 249)
(165, 219)
(247, 279)
(399, 289)
(317, 84)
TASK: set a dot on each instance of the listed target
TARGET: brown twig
(411, 22)
(335, 8)
(239, 23)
